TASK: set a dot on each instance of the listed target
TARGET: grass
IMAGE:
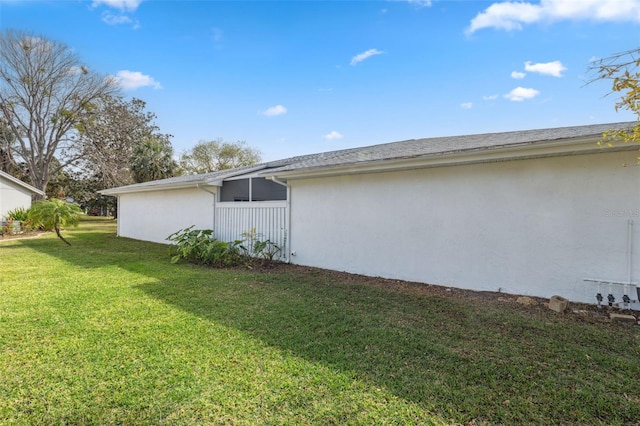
(107, 331)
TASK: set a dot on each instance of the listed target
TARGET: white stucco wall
(12, 196)
(153, 216)
(535, 227)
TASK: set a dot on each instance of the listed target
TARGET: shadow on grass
(455, 357)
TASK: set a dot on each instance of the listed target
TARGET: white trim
(149, 188)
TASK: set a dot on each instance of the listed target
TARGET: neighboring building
(528, 212)
(14, 194)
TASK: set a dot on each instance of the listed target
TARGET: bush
(17, 220)
(256, 248)
(19, 213)
(200, 247)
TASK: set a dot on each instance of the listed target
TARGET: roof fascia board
(237, 175)
(151, 188)
(582, 145)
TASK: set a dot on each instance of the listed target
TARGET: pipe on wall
(288, 222)
(215, 196)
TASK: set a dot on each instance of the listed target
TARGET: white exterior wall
(535, 227)
(12, 196)
(154, 215)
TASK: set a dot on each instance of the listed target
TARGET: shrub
(264, 250)
(21, 215)
(200, 247)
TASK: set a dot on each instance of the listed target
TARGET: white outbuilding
(15, 194)
(539, 212)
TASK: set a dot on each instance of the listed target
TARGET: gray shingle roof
(446, 145)
(408, 149)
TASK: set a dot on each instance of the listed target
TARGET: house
(538, 212)
(14, 194)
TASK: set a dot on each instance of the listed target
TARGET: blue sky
(298, 77)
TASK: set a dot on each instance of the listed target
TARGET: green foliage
(255, 247)
(20, 216)
(216, 155)
(19, 213)
(200, 247)
(152, 159)
(622, 70)
(54, 214)
(111, 132)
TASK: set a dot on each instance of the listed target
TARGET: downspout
(629, 250)
(118, 213)
(215, 196)
(288, 218)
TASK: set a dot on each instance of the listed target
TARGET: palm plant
(54, 214)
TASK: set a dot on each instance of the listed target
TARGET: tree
(151, 160)
(110, 134)
(218, 155)
(45, 91)
(54, 214)
(7, 142)
(623, 69)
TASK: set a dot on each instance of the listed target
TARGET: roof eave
(538, 149)
(152, 188)
(21, 183)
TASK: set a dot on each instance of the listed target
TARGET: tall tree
(109, 135)
(45, 91)
(7, 142)
(151, 160)
(623, 70)
(209, 156)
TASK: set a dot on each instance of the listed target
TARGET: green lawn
(107, 331)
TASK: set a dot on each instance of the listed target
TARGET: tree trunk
(60, 236)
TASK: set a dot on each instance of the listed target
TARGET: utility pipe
(215, 196)
(288, 218)
(629, 249)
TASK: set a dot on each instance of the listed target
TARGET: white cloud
(512, 15)
(123, 5)
(364, 55)
(111, 19)
(518, 75)
(420, 3)
(131, 80)
(519, 94)
(466, 105)
(554, 68)
(332, 136)
(490, 97)
(274, 111)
